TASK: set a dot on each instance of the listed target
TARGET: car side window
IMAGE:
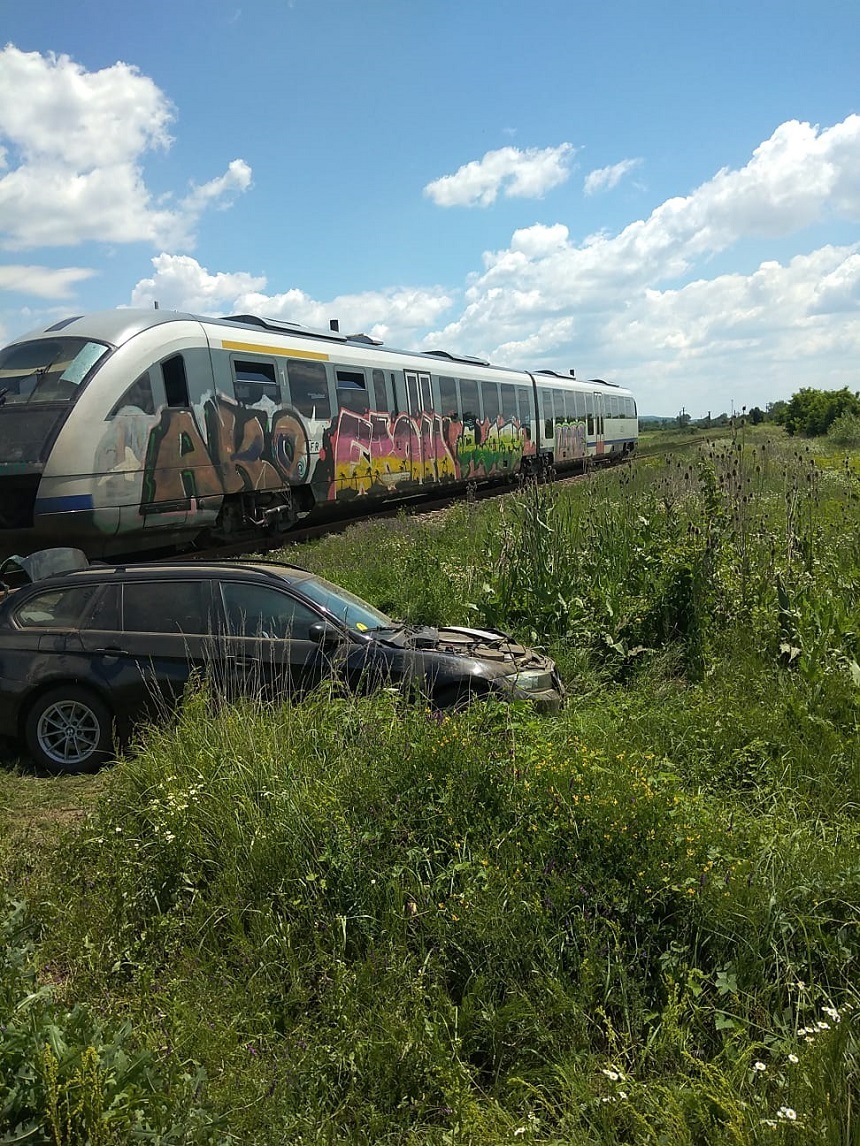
(258, 611)
(165, 607)
(56, 608)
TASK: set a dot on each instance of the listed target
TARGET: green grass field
(353, 920)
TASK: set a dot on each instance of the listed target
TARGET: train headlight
(531, 680)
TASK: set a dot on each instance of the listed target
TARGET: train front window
(47, 370)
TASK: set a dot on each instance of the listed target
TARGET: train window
(524, 395)
(448, 397)
(309, 388)
(254, 381)
(559, 405)
(378, 397)
(509, 401)
(165, 607)
(548, 414)
(352, 390)
(137, 399)
(579, 405)
(589, 413)
(490, 396)
(175, 381)
(47, 370)
(469, 399)
(413, 393)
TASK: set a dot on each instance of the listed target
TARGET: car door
(265, 646)
(165, 634)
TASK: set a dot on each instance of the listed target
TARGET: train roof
(112, 326)
(119, 325)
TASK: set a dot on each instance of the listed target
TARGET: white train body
(133, 430)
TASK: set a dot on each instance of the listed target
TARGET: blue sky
(666, 194)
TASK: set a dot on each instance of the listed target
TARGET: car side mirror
(325, 634)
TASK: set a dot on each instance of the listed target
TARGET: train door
(546, 420)
(599, 415)
(419, 396)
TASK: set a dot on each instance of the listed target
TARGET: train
(129, 431)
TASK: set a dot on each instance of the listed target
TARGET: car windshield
(356, 614)
(47, 370)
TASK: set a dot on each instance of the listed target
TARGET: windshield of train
(46, 370)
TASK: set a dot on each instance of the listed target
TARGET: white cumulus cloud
(605, 178)
(518, 174)
(179, 282)
(43, 282)
(619, 300)
(72, 144)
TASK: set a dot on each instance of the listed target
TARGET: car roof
(145, 571)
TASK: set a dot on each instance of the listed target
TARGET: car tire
(69, 730)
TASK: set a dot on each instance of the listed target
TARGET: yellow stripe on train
(253, 348)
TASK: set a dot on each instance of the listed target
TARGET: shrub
(845, 430)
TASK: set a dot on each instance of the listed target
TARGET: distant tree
(810, 412)
(756, 415)
(776, 412)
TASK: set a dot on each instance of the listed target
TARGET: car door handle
(110, 651)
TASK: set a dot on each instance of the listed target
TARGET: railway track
(417, 506)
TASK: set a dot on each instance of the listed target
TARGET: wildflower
(793, 1058)
(822, 1026)
(759, 1066)
(613, 1075)
(787, 1114)
(831, 1013)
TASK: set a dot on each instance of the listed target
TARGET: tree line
(808, 412)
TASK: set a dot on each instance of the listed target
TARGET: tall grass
(635, 921)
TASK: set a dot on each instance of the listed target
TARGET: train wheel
(68, 730)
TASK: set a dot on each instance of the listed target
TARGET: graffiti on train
(177, 463)
(569, 440)
(371, 452)
(179, 459)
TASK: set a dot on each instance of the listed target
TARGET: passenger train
(138, 430)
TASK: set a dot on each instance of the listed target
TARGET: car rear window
(56, 608)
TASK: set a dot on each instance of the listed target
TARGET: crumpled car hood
(483, 644)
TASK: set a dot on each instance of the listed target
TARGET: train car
(129, 431)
